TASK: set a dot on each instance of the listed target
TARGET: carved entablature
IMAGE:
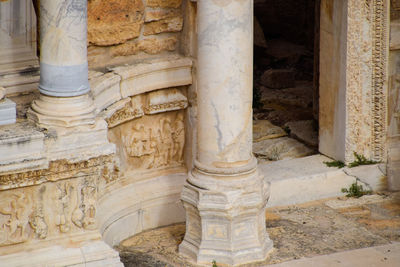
(165, 100)
(131, 108)
(57, 170)
(134, 107)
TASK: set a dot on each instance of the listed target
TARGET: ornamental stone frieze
(71, 188)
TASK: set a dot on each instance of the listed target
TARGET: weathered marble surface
(354, 49)
(154, 74)
(63, 56)
(20, 142)
(224, 196)
(8, 112)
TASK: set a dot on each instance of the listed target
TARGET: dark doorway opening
(286, 49)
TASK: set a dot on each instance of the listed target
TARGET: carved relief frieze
(63, 202)
(49, 210)
(151, 142)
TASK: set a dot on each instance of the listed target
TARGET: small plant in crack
(361, 160)
(287, 130)
(356, 190)
(214, 263)
(336, 163)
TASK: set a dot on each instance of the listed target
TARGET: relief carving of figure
(18, 211)
(89, 206)
(166, 141)
(64, 203)
(179, 137)
(38, 223)
(84, 215)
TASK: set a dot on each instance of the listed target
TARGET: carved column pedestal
(224, 196)
(64, 86)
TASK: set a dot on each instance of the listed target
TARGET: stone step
(306, 179)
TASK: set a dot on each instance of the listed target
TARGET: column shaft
(63, 52)
(64, 86)
(225, 81)
(225, 196)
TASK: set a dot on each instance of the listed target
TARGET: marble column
(64, 99)
(225, 196)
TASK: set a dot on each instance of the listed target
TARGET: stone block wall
(121, 29)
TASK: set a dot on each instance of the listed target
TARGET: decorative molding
(57, 170)
(132, 109)
(366, 78)
(165, 100)
(145, 77)
(381, 17)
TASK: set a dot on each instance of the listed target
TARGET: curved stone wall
(138, 206)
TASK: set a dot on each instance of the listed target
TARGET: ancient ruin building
(120, 116)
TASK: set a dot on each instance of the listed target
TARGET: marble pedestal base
(8, 112)
(62, 111)
(225, 218)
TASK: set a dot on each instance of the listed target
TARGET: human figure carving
(167, 141)
(179, 137)
(19, 218)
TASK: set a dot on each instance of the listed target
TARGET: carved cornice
(58, 170)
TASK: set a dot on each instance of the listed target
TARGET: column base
(62, 111)
(225, 218)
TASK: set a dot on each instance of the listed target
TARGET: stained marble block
(8, 113)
